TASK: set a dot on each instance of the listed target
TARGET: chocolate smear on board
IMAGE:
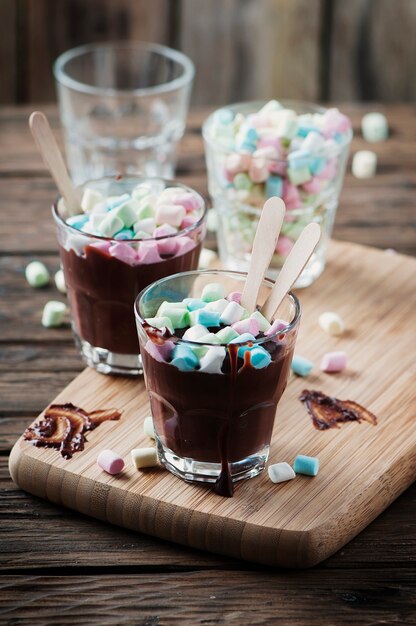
(327, 412)
(63, 426)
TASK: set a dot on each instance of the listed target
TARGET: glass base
(204, 472)
(107, 362)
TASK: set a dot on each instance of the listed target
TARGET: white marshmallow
(280, 472)
(144, 457)
(218, 305)
(364, 164)
(212, 361)
(313, 142)
(60, 281)
(195, 332)
(90, 198)
(374, 127)
(207, 258)
(331, 323)
(232, 313)
(148, 427)
(53, 314)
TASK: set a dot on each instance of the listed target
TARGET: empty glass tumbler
(123, 107)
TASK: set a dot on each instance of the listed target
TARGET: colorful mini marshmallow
(307, 465)
(301, 366)
(280, 472)
(144, 457)
(331, 323)
(110, 462)
(334, 361)
(37, 274)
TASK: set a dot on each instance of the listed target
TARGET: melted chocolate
(102, 290)
(217, 418)
(327, 412)
(64, 426)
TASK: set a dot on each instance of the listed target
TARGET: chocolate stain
(64, 426)
(328, 412)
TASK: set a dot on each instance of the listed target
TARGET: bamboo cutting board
(363, 468)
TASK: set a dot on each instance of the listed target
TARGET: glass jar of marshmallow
(293, 150)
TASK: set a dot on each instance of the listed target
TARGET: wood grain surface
(106, 574)
(297, 524)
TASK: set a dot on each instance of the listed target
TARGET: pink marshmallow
(259, 120)
(164, 230)
(334, 362)
(188, 220)
(123, 252)
(188, 200)
(185, 244)
(290, 193)
(168, 245)
(275, 327)
(330, 170)
(160, 352)
(313, 186)
(172, 214)
(149, 252)
(110, 462)
(247, 326)
(236, 163)
(234, 296)
(278, 167)
(284, 245)
(335, 122)
(271, 142)
(258, 170)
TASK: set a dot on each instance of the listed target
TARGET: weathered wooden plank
(246, 50)
(42, 356)
(373, 53)
(8, 50)
(258, 598)
(74, 22)
(30, 394)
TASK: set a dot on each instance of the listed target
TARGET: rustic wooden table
(58, 567)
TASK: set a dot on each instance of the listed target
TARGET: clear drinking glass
(239, 209)
(123, 107)
(212, 425)
(102, 282)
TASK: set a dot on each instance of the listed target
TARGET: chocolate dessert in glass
(129, 233)
(214, 373)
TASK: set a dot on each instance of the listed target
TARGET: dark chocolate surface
(102, 290)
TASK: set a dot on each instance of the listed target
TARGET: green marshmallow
(178, 317)
(160, 322)
(227, 334)
(199, 351)
(170, 305)
(242, 182)
(111, 225)
(37, 274)
(126, 213)
(210, 338)
(213, 292)
(145, 209)
(299, 176)
(193, 317)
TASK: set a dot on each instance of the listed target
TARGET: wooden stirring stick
(46, 143)
(293, 266)
(264, 245)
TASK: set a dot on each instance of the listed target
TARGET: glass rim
(188, 69)
(268, 281)
(189, 229)
(316, 108)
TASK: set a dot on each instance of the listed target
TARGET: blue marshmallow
(77, 221)
(308, 465)
(317, 165)
(259, 357)
(193, 304)
(126, 233)
(224, 116)
(301, 366)
(184, 358)
(299, 159)
(208, 318)
(241, 339)
(274, 186)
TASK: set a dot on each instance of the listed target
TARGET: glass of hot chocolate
(215, 373)
(129, 233)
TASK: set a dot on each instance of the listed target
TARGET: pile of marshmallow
(144, 216)
(233, 324)
(275, 152)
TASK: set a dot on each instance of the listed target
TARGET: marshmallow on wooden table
(148, 428)
(374, 127)
(364, 164)
(331, 323)
(110, 462)
(37, 274)
(60, 281)
(53, 314)
(144, 457)
(301, 366)
(334, 361)
(280, 472)
(307, 465)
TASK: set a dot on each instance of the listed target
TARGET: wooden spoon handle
(264, 245)
(54, 161)
(293, 266)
